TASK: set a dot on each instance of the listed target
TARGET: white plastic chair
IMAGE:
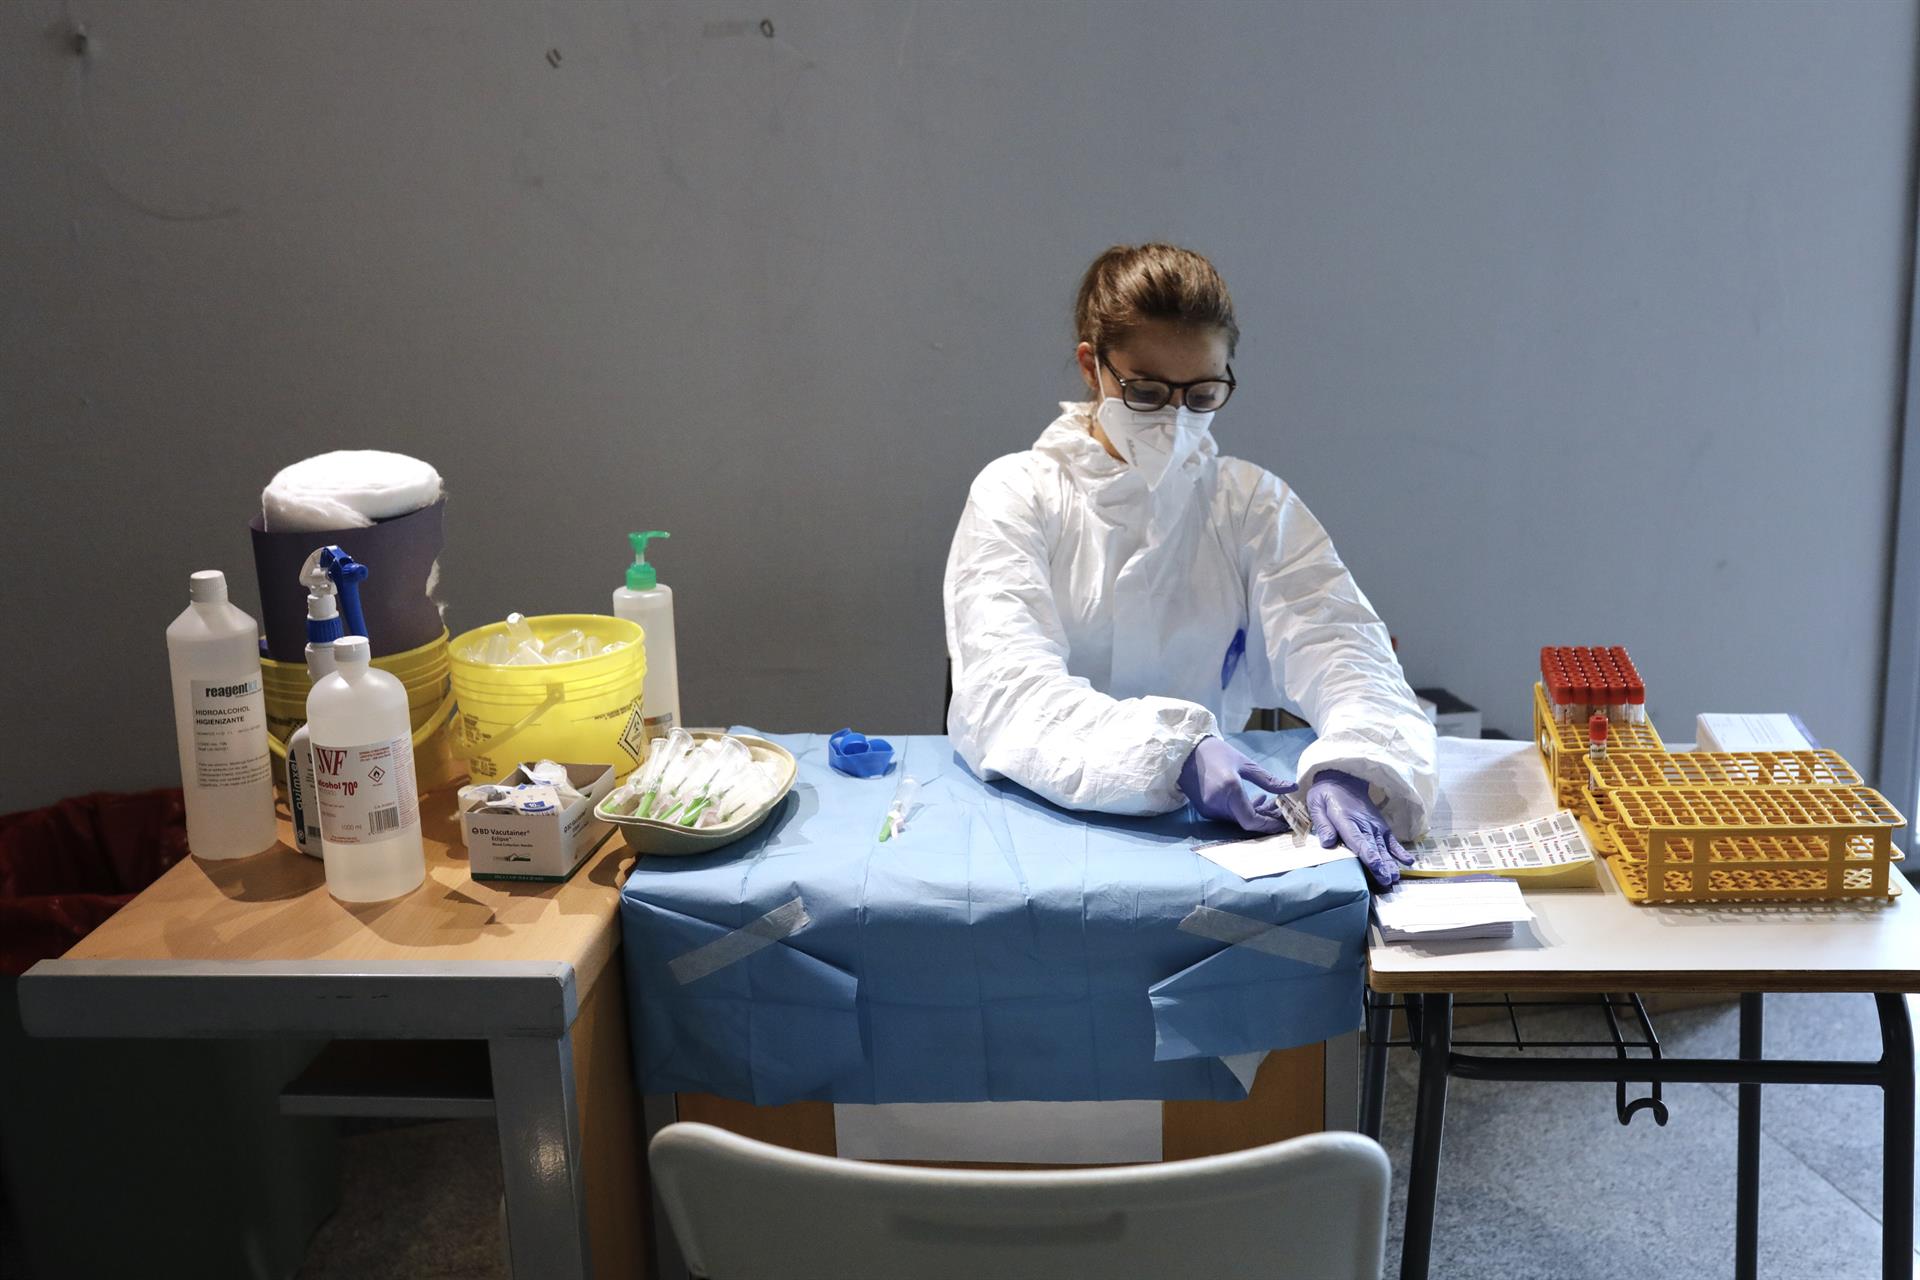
(1313, 1207)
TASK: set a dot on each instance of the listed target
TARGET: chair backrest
(1313, 1207)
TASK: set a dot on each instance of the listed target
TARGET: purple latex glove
(1210, 780)
(1343, 813)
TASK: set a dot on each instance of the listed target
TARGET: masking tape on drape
(1273, 939)
(714, 956)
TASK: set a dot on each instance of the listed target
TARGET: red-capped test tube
(1587, 690)
(1636, 688)
(1616, 688)
(1596, 749)
(1554, 679)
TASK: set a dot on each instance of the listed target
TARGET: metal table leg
(1896, 1205)
(1429, 1118)
(1893, 1074)
(659, 1111)
(1373, 1085)
(539, 1128)
(1746, 1214)
(1344, 1061)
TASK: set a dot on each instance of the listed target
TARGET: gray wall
(1574, 322)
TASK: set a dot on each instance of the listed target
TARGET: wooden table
(256, 947)
(1596, 942)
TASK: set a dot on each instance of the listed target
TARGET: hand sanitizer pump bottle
(649, 602)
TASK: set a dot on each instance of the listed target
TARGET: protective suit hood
(1069, 440)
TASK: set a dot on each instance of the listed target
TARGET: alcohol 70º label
(366, 792)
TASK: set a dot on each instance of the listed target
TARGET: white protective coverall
(1090, 622)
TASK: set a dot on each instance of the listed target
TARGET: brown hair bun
(1131, 285)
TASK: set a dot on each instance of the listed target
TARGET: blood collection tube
(1636, 688)
(1596, 751)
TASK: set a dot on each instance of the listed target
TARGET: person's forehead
(1179, 353)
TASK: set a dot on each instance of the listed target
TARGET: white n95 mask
(1154, 442)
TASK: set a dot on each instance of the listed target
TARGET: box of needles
(518, 829)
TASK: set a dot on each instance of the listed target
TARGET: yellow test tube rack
(1563, 745)
(1751, 844)
(1642, 769)
(1741, 826)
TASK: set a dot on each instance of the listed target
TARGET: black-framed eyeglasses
(1147, 394)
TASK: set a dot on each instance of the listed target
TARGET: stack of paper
(1449, 910)
(1775, 731)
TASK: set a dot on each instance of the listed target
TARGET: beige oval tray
(645, 836)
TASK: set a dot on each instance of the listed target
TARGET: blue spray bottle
(332, 579)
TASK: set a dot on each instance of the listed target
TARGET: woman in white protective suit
(1120, 595)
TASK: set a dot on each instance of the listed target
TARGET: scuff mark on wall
(85, 49)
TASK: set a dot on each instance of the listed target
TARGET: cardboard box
(538, 846)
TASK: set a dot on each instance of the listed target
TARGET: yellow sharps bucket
(424, 671)
(587, 711)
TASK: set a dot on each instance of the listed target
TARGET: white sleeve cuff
(1408, 794)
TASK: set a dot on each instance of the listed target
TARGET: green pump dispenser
(640, 574)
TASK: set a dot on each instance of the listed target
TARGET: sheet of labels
(1539, 844)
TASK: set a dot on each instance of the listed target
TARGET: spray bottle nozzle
(347, 574)
(323, 612)
(640, 574)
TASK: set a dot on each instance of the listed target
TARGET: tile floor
(1541, 1181)
(1538, 1181)
(417, 1202)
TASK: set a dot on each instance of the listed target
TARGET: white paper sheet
(1269, 855)
(1489, 783)
(1000, 1132)
(1542, 844)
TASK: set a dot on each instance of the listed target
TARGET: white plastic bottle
(303, 811)
(302, 799)
(324, 626)
(649, 602)
(220, 722)
(364, 779)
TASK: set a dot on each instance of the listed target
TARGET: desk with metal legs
(256, 948)
(1596, 942)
